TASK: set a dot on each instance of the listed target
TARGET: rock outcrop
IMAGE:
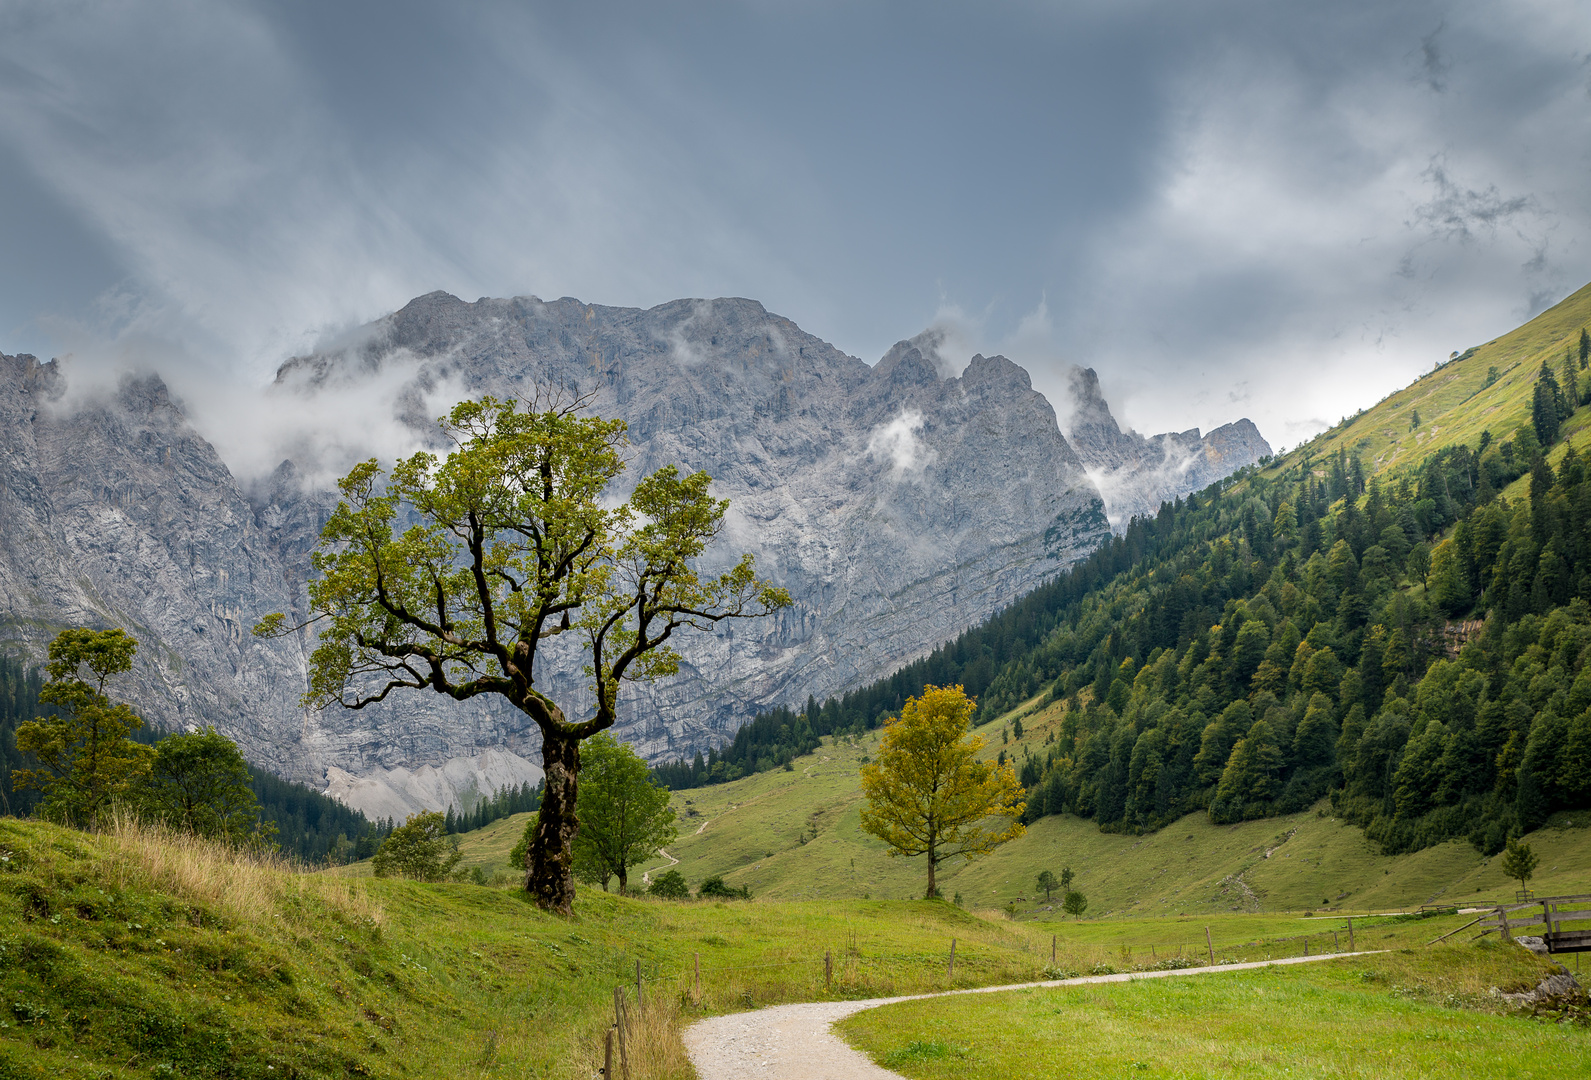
(1135, 474)
(898, 503)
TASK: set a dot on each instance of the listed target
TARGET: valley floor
(798, 835)
(137, 954)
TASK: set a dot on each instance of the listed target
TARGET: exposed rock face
(1134, 474)
(898, 503)
(117, 513)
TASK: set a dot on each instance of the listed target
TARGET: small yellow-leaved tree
(928, 793)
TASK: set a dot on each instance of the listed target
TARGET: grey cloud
(1434, 64)
(1187, 198)
(1456, 211)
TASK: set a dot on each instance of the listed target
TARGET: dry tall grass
(651, 1047)
(249, 886)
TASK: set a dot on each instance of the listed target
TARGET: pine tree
(1547, 407)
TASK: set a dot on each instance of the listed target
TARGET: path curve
(793, 1042)
(646, 878)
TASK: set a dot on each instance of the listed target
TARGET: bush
(417, 849)
(516, 857)
(716, 887)
(670, 885)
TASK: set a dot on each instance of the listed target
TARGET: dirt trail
(646, 878)
(793, 1042)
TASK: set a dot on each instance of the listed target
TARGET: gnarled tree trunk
(549, 862)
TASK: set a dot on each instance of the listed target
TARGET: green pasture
(1413, 1013)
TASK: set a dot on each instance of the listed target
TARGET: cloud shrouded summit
(1229, 209)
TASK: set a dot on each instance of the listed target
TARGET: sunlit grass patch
(1406, 1014)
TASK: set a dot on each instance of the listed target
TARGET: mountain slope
(899, 504)
(1410, 643)
(1135, 474)
(896, 505)
(1455, 402)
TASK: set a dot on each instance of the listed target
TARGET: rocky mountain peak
(898, 503)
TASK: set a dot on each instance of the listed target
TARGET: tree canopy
(624, 817)
(418, 849)
(86, 760)
(515, 542)
(928, 793)
(199, 783)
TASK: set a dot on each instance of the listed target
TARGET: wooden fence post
(1209, 945)
(698, 977)
(607, 1057)
(1306, 944)
(1336, 945)
(618, 1022)
(1052, 950)
(1350, 936)
(952, 972)
(828, 968)
(1502, 914)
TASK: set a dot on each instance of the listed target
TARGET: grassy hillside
(752, 831)
(1454, 401)
(132, 954)
(1379, 1016)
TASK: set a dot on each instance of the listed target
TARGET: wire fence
(851, 972)
(1066, 958)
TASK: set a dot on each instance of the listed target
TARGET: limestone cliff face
(116, 513)
(898, 503)
(898, 507)
(1135, 474)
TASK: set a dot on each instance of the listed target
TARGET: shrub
(670, 885)
(417, 849)
(715, 886)
(516, 857)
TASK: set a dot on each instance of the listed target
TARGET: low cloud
(898, 443)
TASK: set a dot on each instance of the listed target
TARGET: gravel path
(793, 1042)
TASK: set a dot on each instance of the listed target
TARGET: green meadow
(1412, 1013)
(798, 835)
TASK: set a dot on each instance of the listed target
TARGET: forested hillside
(308, 825)
(1412, 642)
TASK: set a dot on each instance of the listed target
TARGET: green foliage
(670, 885)
(199, 783)
(928, 793)
(516, 856)
(1519, 861)
(1548, 406)
(1066, 878)
(716, 887)
(417, 849)
(506, 801)
(1074, 904)
(515, 541)
(19, 703)
(1047, 883)
(624, 818)
(85, 758)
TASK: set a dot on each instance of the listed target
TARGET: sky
(1275, 210)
